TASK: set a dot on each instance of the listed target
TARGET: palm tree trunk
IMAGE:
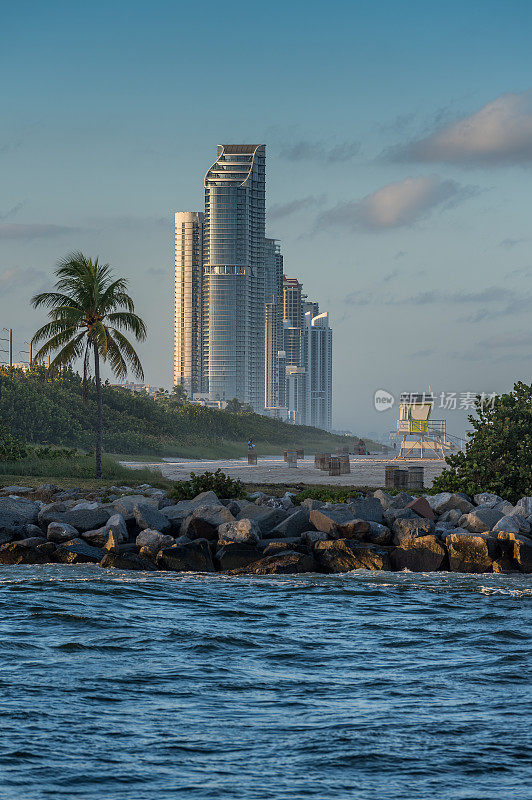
(99, 423)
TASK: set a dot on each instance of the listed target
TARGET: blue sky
(399, 148)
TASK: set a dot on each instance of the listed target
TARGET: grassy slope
(45, 411)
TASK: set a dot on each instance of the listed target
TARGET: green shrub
(11, 448)
(218, 482)
(498, 455)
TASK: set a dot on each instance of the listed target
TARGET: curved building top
(234, 164)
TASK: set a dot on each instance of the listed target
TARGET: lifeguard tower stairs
(420, 436)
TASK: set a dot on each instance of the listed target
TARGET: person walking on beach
(251, 445)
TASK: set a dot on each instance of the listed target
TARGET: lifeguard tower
(421, 437)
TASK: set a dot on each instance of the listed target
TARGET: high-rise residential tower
(318, 364)
(187, 301)
(234, 274)
(242, 329)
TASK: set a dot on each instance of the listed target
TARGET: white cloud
(499, 133)
(398, 204)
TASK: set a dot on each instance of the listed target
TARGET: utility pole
(9, 339)
(29, 352)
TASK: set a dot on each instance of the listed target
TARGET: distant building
(242, 328)
(292, 301)
(138, 388)
(233, 271)
(188, 322)
(318, 364)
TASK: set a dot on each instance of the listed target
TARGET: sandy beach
(365, 470)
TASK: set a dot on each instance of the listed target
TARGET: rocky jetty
(141, 528)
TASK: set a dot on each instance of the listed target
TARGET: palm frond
(115, 295)
(128, 352)
(61, 338)
(71, 348)
(116, 359)
(51, 329)
(68, 354)
(127, 321)
(52, 300)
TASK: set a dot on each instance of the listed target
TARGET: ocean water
(365, 685)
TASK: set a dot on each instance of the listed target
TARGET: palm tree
(179, 394)
(88, 311)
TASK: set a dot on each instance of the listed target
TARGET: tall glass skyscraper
(242, 328)
(188, 327)
(234, 274)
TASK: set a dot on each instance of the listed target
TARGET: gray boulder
(398, 513)
(453, 516)
(423, 554)
(524, 524)
(236, 556)
(117, 560)
(76, 551)
(367, 508)
(6, 490)
(330, 517)
(284, 563)
(148, 517)
(471, 552)
(115, 525)
(505, 508)
(204, 522)
(24, 508)
(311, 504)
(244, 531)
(487, 499)
(11, 527)
(22, 552)
(405, 529)
(294, 525)
(507, 524)
(448, 501)
(481, 520)
(154, 541)
(378, 534)
(126, 505)
(266, 518)
(522, 554)
(401, 500)
(83, 519)
(191, 557)
(311, 537)
(385, 499)
(525, 504)
(60, 532)
(177, 513)
(344, 555)
(205, 499)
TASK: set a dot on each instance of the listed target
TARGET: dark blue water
(367, 685)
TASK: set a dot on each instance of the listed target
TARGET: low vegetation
(218, 482)
(41, 409)
(498, 455)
